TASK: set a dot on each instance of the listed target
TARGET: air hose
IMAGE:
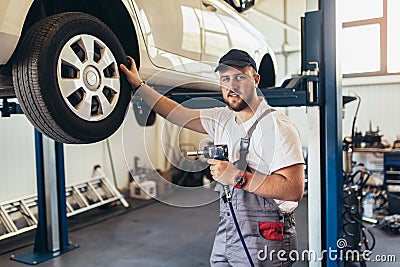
(228, 197)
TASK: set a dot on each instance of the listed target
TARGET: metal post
(51, 238)
(62, 199)
(50, 188)
(331, 128)
(314, 184)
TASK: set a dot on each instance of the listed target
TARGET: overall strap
(245, 141)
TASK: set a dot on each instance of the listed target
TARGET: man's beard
(237, 106)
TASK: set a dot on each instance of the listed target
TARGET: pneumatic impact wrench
(220, 152)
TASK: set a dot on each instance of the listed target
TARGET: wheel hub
(91, 78)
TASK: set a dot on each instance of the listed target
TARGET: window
(370, 43)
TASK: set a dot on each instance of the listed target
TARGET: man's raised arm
(162, 105)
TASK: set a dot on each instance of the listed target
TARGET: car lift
(318, 89)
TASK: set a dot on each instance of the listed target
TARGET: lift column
(52, 232)
(331, 128)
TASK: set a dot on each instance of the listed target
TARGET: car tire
(67, 80)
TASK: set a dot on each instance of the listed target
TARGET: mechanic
(274, 180)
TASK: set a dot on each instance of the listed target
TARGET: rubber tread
(27, 88)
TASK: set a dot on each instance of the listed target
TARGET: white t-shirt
(274, 144)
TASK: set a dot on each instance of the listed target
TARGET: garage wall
(379, 105)
(17, 158)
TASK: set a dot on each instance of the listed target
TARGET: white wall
(17, 158)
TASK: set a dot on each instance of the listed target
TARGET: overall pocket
(271, 230)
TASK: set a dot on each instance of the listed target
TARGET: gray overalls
(269, 234)
(261, 223)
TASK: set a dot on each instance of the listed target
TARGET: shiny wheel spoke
(69, 86)
(84, 110)
(69, 56)
(87, 43)
(106, 60)
(105, 106)
(113, 83)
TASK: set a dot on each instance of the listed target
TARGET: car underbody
(6, 83)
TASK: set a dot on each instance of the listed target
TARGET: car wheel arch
(267, 72)
(101, 10)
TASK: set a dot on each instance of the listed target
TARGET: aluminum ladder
(20, 215)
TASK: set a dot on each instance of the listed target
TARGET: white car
(60, 58)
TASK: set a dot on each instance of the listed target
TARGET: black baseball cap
(236, 57)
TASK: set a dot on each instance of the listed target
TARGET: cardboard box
(163, 182)
(143, 190)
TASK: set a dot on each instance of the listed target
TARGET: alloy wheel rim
(88, 77)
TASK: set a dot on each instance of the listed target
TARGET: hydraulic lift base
(34, 258)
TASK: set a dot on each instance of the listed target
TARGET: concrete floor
(155, 234)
